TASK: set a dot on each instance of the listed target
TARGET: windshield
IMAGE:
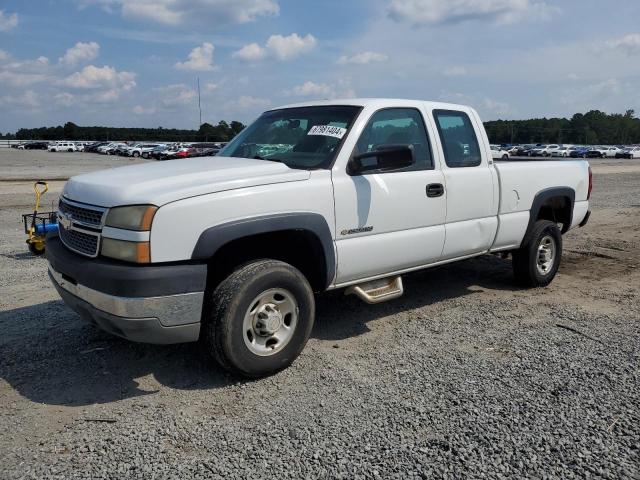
(304, 137)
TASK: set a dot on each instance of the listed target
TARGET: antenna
(199, 106)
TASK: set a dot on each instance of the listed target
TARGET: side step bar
(377, 291)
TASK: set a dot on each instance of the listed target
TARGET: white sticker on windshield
(327, 131)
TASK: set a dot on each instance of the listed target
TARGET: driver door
(388, 221)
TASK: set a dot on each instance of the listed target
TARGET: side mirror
(386, 158)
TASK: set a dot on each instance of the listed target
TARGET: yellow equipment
(38, 224)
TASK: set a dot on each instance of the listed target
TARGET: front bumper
(139, 303)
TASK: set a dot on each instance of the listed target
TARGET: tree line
(592, 128)
(222, 132)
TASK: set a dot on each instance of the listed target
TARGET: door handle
(435, 190)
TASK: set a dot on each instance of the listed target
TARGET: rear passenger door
(471, 220)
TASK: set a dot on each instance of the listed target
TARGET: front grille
(85, 215)
(81, 242)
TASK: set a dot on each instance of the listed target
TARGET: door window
(458, 139)
(397, 126)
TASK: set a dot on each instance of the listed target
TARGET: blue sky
(135, 62)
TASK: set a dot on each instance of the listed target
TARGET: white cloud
(629, 44)
(140, 110)
(246, 102)
(422, 12)
(65, 99)
(363, 58)
(200, 59)
(455, 71)
(250, 52)
(310, 88)
(3, 54)
(80, 52)
(210, 87)
(22, 73)
(180, 12)
(291, 46)
(28, 100)
(588, 96)
(92, 77)
(278, 47)
(487, 106)
(176, 95)
(8, 21)
(17, 79)
(323, 90)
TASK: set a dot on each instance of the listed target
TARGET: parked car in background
(563, 151)
(603, 152)
(136, 149)
(146, 149)
(498, 153)
(522, 150)
(111, 148)
(62, 147)
(79, 146)
(36, 145)
(579, 152)
(597, 152)
(612, 151)
(629, 152)
(548, 150)
(537, 151)
(560, 151)
(93, 147)
(157, 151)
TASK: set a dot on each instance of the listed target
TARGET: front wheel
(537, 261)
(258, 320)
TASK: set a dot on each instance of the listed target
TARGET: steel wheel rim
(270, 321)
(546, 255)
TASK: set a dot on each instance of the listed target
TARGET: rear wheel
(536, 262)
(505, 157)
(136, 154)
(259, 318)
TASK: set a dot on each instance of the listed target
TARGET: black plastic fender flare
(214, 238)
(542, 196)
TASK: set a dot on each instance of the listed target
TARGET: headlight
(138, 252)
(135, 217)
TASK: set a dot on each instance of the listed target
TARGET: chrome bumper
(162, 320)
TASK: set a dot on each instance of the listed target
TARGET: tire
(36, 248)
(529, 267)
(145, 155)
(505, 157)
(234, 337)
(135, 155)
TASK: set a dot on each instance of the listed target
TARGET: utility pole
(199, 106)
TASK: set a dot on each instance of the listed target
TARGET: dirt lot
(464, 376)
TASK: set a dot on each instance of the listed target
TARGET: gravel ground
(464, 376)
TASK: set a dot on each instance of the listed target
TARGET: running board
(378, 291)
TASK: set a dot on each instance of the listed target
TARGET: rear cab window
(458, 137)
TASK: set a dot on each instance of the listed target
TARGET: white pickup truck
(229, 250)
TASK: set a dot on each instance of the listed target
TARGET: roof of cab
(375, 102)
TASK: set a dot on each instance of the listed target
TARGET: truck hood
(159, 183)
